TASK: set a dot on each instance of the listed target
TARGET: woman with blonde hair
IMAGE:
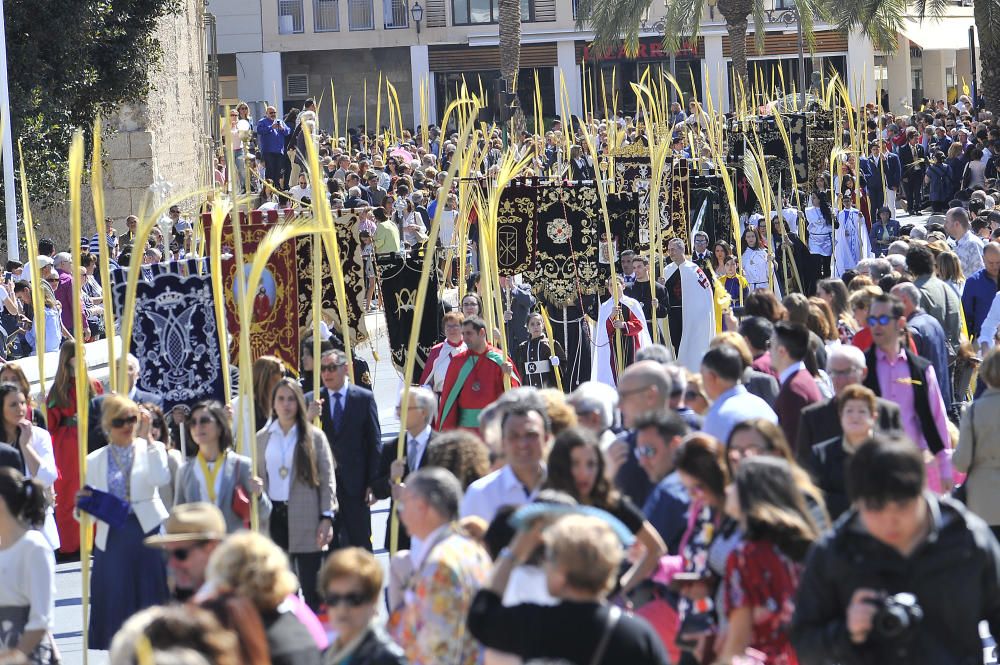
(267, 371)
(62, 426)
(252, 566)
(296, 465)
(949, 271)
(127, 575)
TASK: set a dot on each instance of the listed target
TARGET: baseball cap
(189, 522)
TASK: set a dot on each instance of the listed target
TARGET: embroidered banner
(176, 341)
(400, 279)
(516, 228)
(678, 226)
(566, 254)
(273, 309)
(348, 230)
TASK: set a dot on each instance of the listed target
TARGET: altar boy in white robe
(691, 316)
(619, 329)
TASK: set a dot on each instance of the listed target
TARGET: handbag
(104, 506)
(241, 505)
(961, 493)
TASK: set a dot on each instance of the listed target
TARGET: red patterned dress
(761, 578)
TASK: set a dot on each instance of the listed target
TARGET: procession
(672, 384)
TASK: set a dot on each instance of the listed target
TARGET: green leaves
(70, 60)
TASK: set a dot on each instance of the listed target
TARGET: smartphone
(7, 276)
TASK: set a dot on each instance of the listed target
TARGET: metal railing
(290, 16)
(397, 14)
(360, 14)
(326, 15)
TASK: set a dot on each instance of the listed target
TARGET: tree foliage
(68, 62)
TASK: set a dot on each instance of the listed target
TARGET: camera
(895, 616)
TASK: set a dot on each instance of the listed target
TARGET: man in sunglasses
(190, 535)
(903, 377)
(658, 435)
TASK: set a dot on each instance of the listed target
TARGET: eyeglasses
(182, 553)
(350, 599)
(124, 421)
(204, 420)
(644, 451)
(691, 395)
(883, 320)
(843, 372)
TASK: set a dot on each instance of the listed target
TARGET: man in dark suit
(420, 413)
(913, 161)
(789, 347)
(883, 173)
(349, 418)
(819, 422)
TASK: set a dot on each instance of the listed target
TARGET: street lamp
(417, 13)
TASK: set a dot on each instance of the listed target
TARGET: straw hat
(190, 522)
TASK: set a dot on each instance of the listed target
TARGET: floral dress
(761, 578)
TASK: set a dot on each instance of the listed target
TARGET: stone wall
(163, 142)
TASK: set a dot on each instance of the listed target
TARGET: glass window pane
(480, 11)
(460, 11)
(525, 10)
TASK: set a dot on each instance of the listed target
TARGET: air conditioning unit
(297, 85)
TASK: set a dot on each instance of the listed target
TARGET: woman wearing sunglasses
(217, 474)
(351, 581)
(297, 467)
(127, 575)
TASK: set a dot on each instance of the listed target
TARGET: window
(290, 17)
(326, 15)
(361, 14)
(467, 12)
(396, 14)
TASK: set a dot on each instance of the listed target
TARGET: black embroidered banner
(568, 237)
(348, 229)
(400, 280)
(516, 228)
(176, 340)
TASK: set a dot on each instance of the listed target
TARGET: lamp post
(417, 14)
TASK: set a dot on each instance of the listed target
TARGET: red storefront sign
(649, 49)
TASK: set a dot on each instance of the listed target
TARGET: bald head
(991, 259)
(644, 386)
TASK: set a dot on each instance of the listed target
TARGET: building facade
(284, 51)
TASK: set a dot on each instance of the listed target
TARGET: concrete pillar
(900, 85)
(860, 60)
(570, 71)
(934, 64)
(715, 74)
(420, 74)
(259, 78)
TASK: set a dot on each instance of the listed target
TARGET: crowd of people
(778, 456)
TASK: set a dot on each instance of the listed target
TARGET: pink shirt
(895, 385)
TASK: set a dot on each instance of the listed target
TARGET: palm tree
(987, 15)
(615, 21)
(509, 20)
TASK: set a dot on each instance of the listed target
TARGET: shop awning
(947, 34)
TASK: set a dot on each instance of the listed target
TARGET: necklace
(285, 462)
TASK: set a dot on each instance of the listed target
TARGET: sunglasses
(182, 553)
(204, 420)
(349, 599)
(644, 451)
(880, 320)
(124, 421)
(329, 368)
(691, 395)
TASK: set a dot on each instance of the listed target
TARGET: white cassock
(698, 311)
(852, 243)
(755, 269)
(601, 365)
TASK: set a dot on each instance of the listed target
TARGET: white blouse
(279, 454)
(28, 571)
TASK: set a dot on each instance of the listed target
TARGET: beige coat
(984, 470)
(305, 504)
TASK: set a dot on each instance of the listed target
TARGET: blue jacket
(271, 139)
(977, 297)
(872, 168)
